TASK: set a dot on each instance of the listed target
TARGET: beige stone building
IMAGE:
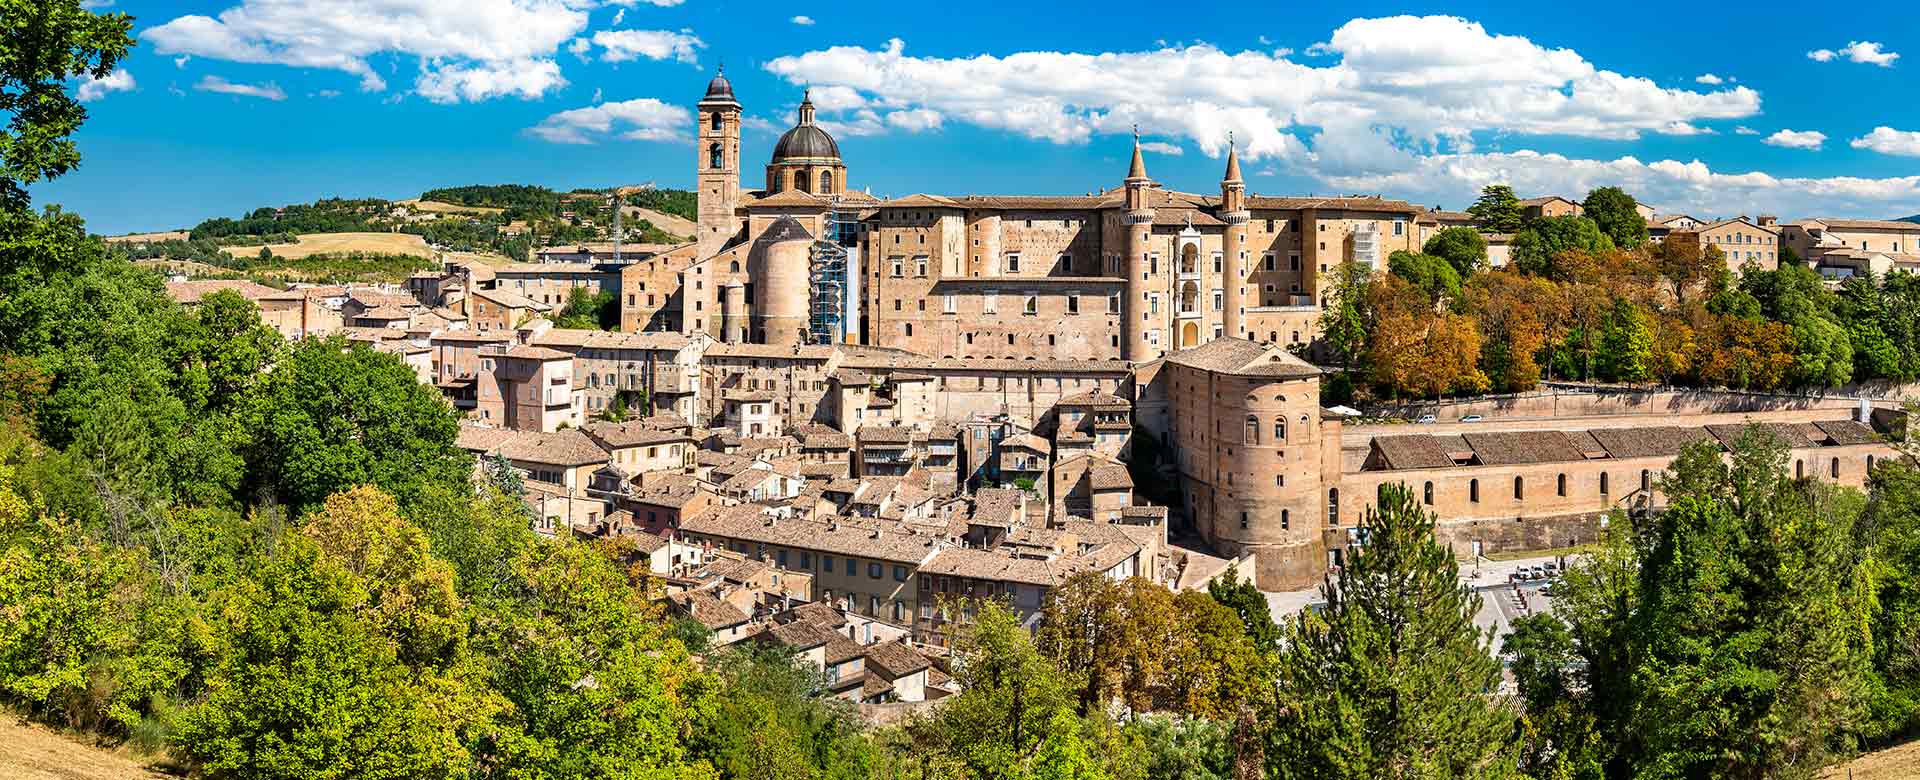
(1550, 206)
(1741, 240)
(1848, 247)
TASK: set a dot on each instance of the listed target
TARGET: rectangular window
(920, 265)
(1013, 264)
(899, 574)
(990, 303)
(947, 304)
(1113, 303)
(1266, 261)
(1033, 303)
(826, 563)
(1399, 227)
(873, 570)
(895, 264)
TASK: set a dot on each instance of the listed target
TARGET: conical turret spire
(1139, 168)
(806, 107)
(1233, 163)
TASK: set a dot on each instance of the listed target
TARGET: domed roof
(719, 90)
(806, 139)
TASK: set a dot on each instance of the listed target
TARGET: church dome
(805, 141)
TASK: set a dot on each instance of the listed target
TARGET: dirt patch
(336, 243)
(33, 752)
(143, 238)
(678, 226)
(437, 207)
(1900, 762)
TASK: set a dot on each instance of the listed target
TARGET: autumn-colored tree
(1685, 266)
(1512, 309)
(1672, 348)
(1417, 351)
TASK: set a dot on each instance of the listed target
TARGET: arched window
(1799, 469)
(734, 266)
(1473, 491)
(826, 181)
(1519, 489)
(1869, 465)
(719, 122)
(1426, 494)
(1561, 487)
(1279, 429)
(1646, 481)
(800, 181)
(1333, 507)
(1253, 430)
(1836, 468)
(714, 156)
(1603, 483)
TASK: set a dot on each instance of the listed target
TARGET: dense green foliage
(590, 310)
(1462, 247)
(1498, 210)
(1539, 247)
(1740, 633)
(1617, 215)
(684, 204)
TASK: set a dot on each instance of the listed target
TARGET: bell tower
(717, 166)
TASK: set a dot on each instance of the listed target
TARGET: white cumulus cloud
(483, 80)
(1796, 139)
(628, 45)
(1887, 140)
(1162, 147)
(1428, 82)
(803, 20)
(1709, 80)
(639, 119)
(1745, 130)
(92, 89)
(1681, 186)
(269, 90)
(478, 36)
(1865, 52)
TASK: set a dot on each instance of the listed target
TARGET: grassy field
(436, 207)
(32, 752)
(1900, 762)
(336, 243)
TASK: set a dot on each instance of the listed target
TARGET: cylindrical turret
(1138, 224)
(1233, 211)
(778, 267)
(733, 312)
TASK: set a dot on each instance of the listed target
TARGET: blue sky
(1747, 108)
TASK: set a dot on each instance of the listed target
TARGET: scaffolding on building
(827, 279)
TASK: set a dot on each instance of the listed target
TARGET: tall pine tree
(1393, 680)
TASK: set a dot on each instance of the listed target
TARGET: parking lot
(1502, 600)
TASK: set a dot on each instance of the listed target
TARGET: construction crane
(619, 204)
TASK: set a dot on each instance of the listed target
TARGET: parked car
(1472, 418)
(1427, 419)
